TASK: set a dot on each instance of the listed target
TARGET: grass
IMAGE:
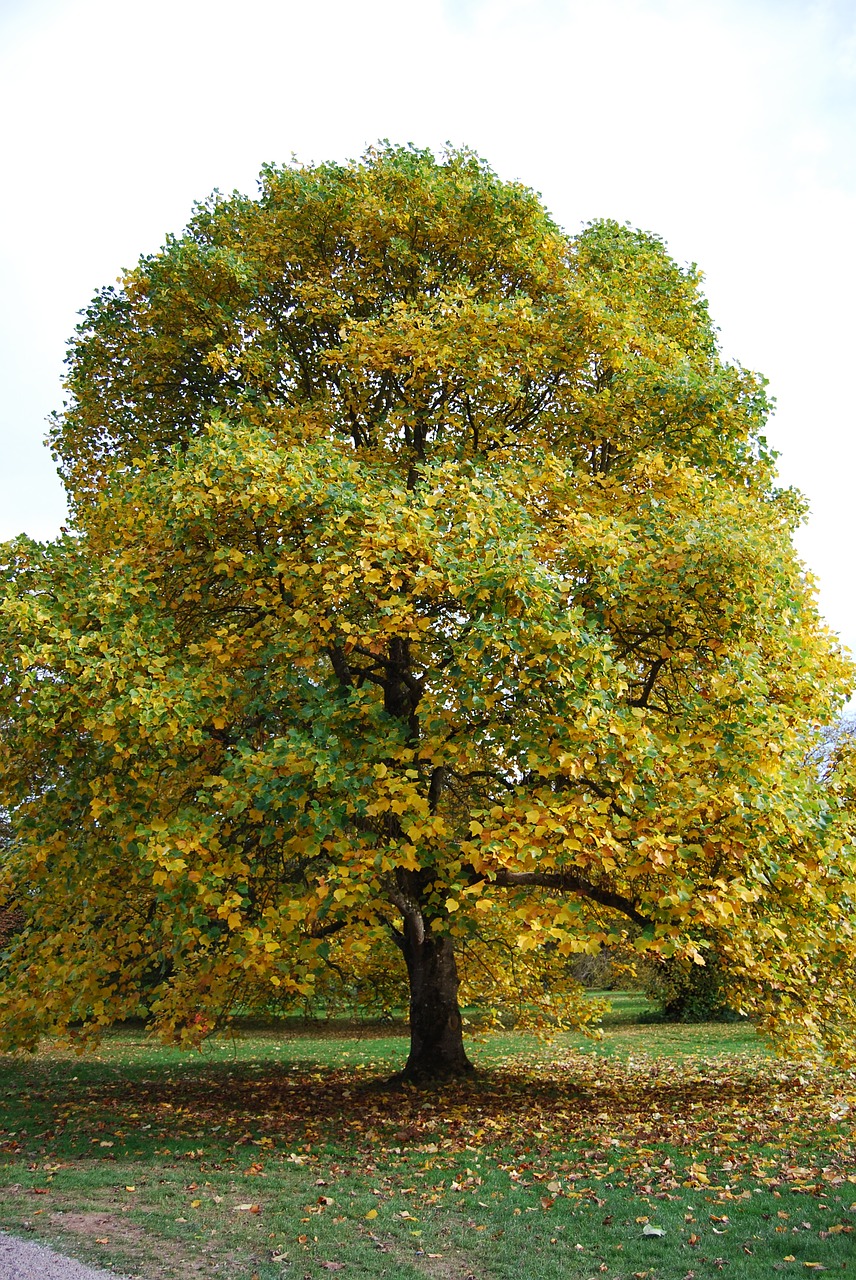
(271, 1155)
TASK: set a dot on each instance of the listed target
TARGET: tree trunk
(436, 1036)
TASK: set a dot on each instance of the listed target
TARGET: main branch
(569, 882)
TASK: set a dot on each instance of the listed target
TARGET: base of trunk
(434, 1069)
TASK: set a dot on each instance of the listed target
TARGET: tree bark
(436, 1033)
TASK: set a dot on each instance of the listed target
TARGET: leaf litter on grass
(570, 1160)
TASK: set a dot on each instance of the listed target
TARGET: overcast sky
(728, 128)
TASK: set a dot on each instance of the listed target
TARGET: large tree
(429, 588)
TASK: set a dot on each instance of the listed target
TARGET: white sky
(727, 127)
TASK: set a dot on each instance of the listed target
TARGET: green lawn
(273, 1155)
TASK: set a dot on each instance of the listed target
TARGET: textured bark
(436, 1036)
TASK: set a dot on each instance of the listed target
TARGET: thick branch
(435, 790)
(396, 665)
(642, 701)
(326, 930)
(403, 897)
(340, 666)
(568, 882)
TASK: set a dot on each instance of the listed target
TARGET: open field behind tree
(274, 1154)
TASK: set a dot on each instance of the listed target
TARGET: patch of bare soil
(452, 1264)
(126, 1245)
(148, 1255)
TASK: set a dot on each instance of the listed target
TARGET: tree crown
(430, 583)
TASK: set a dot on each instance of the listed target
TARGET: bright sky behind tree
(729, 128)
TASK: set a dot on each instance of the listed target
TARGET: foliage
(141, 1157)
(429, 582)
(690, 993)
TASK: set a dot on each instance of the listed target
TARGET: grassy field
(660, 1153)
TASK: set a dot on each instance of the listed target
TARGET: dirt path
(26, 1260)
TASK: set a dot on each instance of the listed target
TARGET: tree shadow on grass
(582, 1099)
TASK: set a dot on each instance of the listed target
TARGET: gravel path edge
(27, 1260)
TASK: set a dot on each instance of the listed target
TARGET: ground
(661, 1153)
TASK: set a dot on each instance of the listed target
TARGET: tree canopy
(429, 588)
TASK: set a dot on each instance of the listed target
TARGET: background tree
(430, 584)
